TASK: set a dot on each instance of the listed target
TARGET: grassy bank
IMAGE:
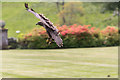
(64, 63)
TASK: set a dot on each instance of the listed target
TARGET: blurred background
(81, 24)
(97, 14)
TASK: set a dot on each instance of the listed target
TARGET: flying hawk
(52, 31)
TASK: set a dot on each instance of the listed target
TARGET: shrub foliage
(73, 36)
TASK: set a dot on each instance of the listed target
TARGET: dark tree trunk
(64, 21)
(63, 15)
(63, 4)
(58, 8)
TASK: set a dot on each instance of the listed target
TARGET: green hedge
(73, 36)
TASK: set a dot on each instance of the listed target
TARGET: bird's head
(39, 23)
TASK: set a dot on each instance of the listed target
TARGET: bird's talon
(49, 43)
(47, 40)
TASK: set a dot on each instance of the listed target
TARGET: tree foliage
(71, 13)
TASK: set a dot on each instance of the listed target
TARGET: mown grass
(61, 63)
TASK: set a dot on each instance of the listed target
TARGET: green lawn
(64, 63)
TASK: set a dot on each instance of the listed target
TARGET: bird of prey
(52, 31)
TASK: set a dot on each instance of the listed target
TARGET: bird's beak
(36, 23)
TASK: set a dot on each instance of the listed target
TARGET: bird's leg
(49, 40)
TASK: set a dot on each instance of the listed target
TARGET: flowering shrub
(73, 36)
(110, 35)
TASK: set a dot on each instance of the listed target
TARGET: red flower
(25, 37)
(30, 35)
(63, 33)
(109, 30)
(73, 32)
(43, 32)
(87, 26)
(38, 34)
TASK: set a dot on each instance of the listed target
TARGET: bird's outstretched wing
(26, 5)
(42, 18)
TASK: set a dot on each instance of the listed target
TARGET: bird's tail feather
(58, 40)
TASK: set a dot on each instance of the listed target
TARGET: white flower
(17, 31)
